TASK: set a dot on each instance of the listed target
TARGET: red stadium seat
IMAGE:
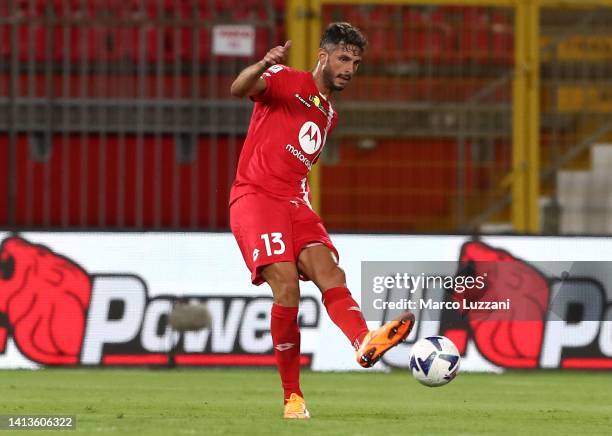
(502, 39)
(475, 35)
(412, 23)
(5, 42)
(73, 179)
(31, 37)
(242, 10)
(171, 41)
(4, 180)
(357, 194)
(263, 42)
(428, 36)
(280, 6)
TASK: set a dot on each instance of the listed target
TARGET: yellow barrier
(577, 98)
(581, 48)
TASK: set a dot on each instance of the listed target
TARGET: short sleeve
(278, 82)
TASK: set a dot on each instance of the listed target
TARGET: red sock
(346, 314)
(286, 341)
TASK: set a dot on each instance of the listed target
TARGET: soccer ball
(434, 361)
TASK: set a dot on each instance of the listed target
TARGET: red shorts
(270, 230)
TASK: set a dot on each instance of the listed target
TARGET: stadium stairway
(585, 196)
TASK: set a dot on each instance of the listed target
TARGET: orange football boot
(378, 342)
(296, 408)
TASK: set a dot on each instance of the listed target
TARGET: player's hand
(277, 55)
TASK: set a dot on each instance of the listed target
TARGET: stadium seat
(171, 41)
(113, 196)
(502, 39)
(4, 141)
(264, 41)
(279, 6)
(31, 42)
(5, 31)
(427, 37)
(412, 26)
(5, 43)
(248, 10)
(475, 35)
(280, 32)
(357, 191)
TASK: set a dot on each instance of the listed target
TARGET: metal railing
(496, 144)
(118, 114)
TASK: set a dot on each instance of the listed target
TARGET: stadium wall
(70, 299)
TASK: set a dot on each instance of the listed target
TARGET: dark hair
(343, 33)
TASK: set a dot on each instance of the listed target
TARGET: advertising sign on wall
(72, 299)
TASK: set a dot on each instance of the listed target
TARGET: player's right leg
(263, 229)
(283, 280)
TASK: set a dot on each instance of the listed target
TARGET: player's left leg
(317, 260)
(318, 263)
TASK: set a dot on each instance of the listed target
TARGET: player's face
(341, 64)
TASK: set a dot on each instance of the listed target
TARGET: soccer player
(281, 238)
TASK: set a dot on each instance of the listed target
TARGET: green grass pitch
(240, 401)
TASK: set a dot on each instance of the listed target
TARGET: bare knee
(287, 293)
(330, 277)
(320, 265)
(285, 285)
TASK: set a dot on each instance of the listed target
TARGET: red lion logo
(511, 339)
(44, 297)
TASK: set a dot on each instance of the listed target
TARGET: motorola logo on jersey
(310, 137)
(299, 155)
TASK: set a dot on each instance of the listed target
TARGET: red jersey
(287, 132)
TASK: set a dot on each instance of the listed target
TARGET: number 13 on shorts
(274, 243)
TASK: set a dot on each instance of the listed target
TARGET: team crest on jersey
(310, 137)
(317, 102)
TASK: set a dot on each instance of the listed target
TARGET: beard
(328, 79)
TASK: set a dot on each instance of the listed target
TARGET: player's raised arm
(249, 81)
